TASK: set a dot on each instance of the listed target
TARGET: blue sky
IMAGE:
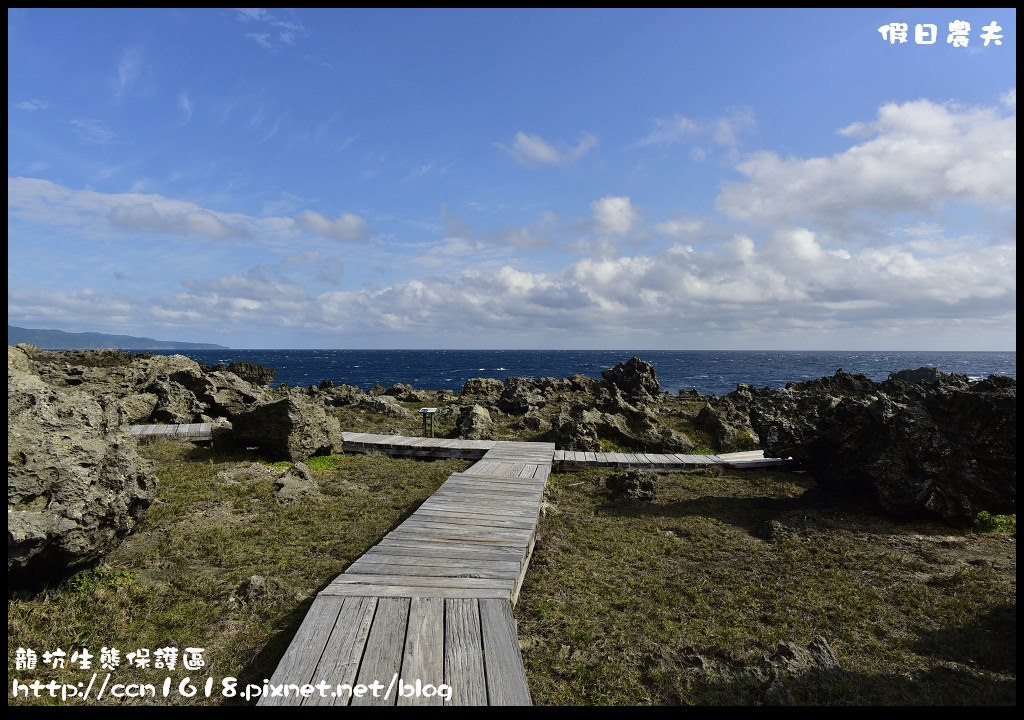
(659, 179)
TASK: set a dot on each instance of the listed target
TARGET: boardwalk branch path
(432, 602)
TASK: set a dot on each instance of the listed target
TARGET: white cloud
(51, 204)
(614, 215)
(1009, 99)
(145, 216)
(32, 105)
(276, 32)
(129, 67)
(680, 228)
(723, 131)
(347, 227)
(93, 132)
(533, 150)
(739, 289)
(185, 104)
(920, 156)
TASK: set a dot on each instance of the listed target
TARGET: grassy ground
(676, 601)
(681, 600)
(216, 523)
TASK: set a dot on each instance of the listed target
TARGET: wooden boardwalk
(432, 602)
(563, 459)
(195, 432)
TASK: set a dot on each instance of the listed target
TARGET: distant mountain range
(60, 340)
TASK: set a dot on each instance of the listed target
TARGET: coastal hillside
(60, 340)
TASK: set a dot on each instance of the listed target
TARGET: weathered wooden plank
(416, 535)
(466, 505)
(506, 482)
(382, 658)
(381, 558)
(469, 500)
(503, 666)
(423, 657)
(304, 652)
(510, 496)
(497, 489)
(391, 590)
(412, 581)
(527, 480)
(463, 523)
(453, 551)
(340, 660)
(464, 653)
(494, 520)
(419, 570)
(472, 530)
(419, 534)
(453, 546)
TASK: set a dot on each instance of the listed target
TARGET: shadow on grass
(936, 686)
(816, 509)
(988, 642)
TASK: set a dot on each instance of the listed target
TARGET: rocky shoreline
(921, 441)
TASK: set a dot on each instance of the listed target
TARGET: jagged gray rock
(727, 421)
(519, 396)
(635, 377)
(293, 428)
(75, 483)
(485, 391)
(384, 404)
(296, 483)
(948, 447)
(474, 422)
(632, 485)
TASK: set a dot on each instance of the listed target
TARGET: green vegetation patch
(683, 600)
(987, 522)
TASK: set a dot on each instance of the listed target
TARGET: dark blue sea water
(708, 371)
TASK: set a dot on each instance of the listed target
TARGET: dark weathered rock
(292, 428)
(632, 485)
(407, 393)
(948, 447)
(134, 409)
(795, 658)
(249, 372)
(635, 377)
(582, 427)
(174, 403)
(485, 391)
(519, 396)
(726, 420)
(575, 428)
(75, 484)
(296, 483)
(474, 422)
(920, 376)
(383, 404)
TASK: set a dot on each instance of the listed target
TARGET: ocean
(708, 371)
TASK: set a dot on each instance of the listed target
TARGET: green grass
(987, 522)
(173, 581)
(679, 601)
